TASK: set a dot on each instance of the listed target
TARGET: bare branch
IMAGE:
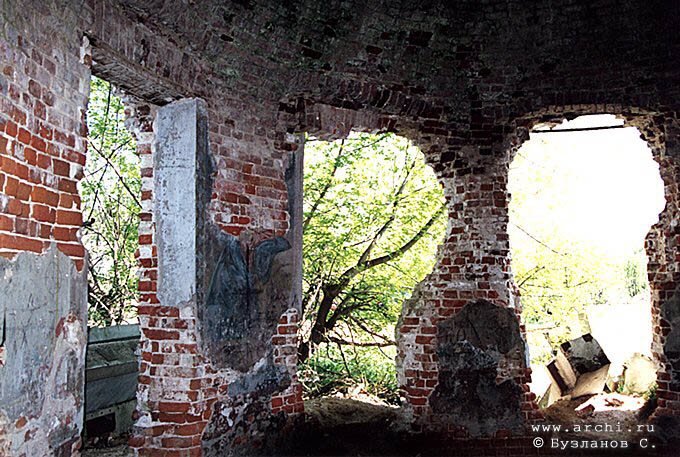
(120, 177)
(326, 187)
(532, 274)
(395, 204)
(365, 328)
(340, 341)
(537, 240)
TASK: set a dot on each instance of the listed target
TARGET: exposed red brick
(65, 217)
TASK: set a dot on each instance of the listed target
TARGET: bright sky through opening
(605, 189)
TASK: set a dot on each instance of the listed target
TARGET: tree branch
(120, 177)
(326, 187)
(340, 341)
(532, 274)
(365, 328)
(367, 264)
(395, 203)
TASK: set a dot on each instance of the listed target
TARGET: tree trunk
(320, 327)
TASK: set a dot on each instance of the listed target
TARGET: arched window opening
(373, 218)
(582, 204)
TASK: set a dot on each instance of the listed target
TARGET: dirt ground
(623, 412)
(337, 422)
(364, 426)
(116, 451)
(338, 411)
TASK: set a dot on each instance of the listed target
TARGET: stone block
(580, 367)
(584, 354)
(562, 373)
(471, 347)
(550, 396)
(590, 383)
(639, 374)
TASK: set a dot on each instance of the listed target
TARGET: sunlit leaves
(366, 196)
(110, 193)
(362, 176)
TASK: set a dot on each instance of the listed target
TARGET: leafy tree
(110, 193)
(373, 216)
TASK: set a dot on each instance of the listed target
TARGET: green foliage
(331, 371)
(557, 284)
(650, 395)
(373, 217)
(636, 275)
(110, 194)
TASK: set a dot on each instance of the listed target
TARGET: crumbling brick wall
(177, 383)
(473, 264)
(43, 92)
(180, 388)
(661, 247)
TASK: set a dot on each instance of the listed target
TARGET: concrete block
(590, 383)
(562, 373)
(175, 199)
(584, 354)
(639, 374)
(550, 396)
(580, 367)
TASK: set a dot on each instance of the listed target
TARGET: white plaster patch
(175, 200)
(4, 201)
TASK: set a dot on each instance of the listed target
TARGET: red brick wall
(661, 246)
(178, 386)
(285, 353)
(473, 263)
(477, 247)
(44, 85)
(42, 149)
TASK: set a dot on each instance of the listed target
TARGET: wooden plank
(112, 366)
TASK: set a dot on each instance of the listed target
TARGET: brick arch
(398, 62)
(329, 122)
(474, 261)
(663, 268)
(471, 161)
(469, 265)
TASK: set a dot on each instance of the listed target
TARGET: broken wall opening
(373, 219)
(111, 203)
(116, 196)
(582, 204)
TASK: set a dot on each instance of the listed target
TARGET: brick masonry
(464, 81)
